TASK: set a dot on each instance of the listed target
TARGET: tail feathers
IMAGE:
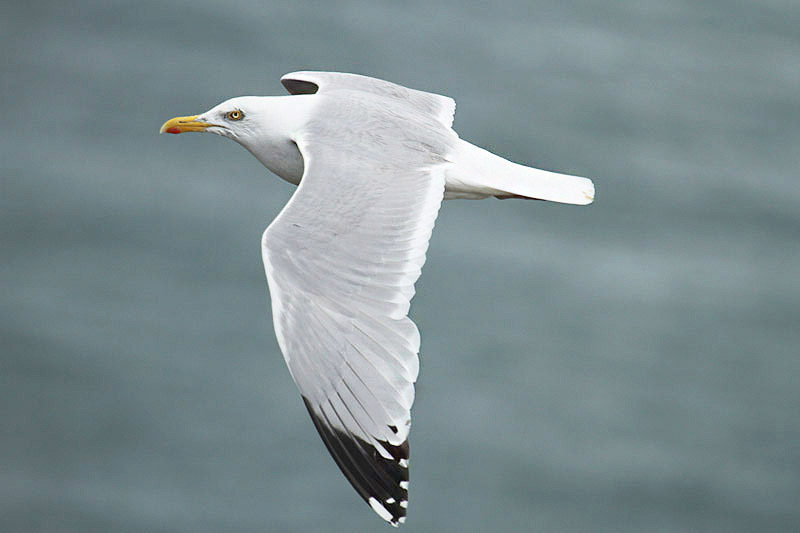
(478, 173)
(532, 183)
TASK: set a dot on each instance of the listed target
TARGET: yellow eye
(235, 115)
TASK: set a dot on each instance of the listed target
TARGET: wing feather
(310, 82)
(341, 260)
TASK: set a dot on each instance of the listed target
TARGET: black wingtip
(299, 86)
(381, 482)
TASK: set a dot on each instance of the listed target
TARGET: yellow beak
(184, 124)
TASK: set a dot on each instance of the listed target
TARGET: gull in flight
(373, 161)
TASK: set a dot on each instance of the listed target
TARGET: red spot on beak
(174, 130)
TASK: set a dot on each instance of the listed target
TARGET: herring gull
(373, 161)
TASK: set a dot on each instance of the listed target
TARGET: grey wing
(341, 261)
(310, 82)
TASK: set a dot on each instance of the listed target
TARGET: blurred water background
(630, 366)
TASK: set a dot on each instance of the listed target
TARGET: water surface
(630, 366)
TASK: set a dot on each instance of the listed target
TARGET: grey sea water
(629, 366)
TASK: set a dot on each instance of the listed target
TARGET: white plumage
(373, 161)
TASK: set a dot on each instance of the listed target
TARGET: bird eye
(235, 115)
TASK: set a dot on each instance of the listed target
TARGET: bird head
(237, 118)
(264, 125)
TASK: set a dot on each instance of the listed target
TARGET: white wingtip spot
(404, 485)
(380, 509)
(403, 463)
(401, 520)
(404, 504)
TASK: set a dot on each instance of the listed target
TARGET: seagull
(373, 161)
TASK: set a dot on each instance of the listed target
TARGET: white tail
(478, 173)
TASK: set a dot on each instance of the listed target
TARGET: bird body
(373, 161)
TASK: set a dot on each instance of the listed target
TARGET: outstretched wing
(341, 260)
(310, 82)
